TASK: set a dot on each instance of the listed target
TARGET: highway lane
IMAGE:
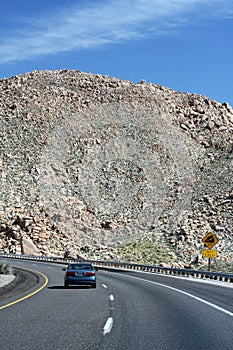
(125, 311)
(55, 318)
(218, 293)
(163, 318)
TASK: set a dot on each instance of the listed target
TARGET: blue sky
(186, 45)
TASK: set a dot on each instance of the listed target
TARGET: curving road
(127, 310)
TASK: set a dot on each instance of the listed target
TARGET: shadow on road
(70, 287)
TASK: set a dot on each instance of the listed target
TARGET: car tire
(93, 285)
(66, 284)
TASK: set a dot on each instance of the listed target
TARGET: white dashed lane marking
(108, 326)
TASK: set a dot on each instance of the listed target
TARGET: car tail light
(70, 273)
(89, 274)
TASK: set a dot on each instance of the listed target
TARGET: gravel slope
(96, 167)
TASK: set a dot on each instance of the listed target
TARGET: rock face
(90, 163)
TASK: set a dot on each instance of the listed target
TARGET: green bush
(5, 268)
(145, 251)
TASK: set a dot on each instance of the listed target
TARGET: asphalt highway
(127, 310)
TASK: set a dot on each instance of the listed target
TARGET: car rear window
(80, 267)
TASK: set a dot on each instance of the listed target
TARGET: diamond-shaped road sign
(210, 240)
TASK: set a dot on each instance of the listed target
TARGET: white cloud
(103, 22)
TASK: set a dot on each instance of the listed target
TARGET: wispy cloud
(104, 22)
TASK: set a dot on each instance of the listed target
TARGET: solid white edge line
(190, 278)
(185, 293)
(108, 326)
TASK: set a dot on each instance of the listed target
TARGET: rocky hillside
(96, 167)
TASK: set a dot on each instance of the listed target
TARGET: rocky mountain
(101, 168)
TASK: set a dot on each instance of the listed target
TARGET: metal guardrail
(218, 276)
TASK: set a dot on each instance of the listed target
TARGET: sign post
(210, 240)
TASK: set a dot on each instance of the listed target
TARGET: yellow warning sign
(210, 240)
(209, 253)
